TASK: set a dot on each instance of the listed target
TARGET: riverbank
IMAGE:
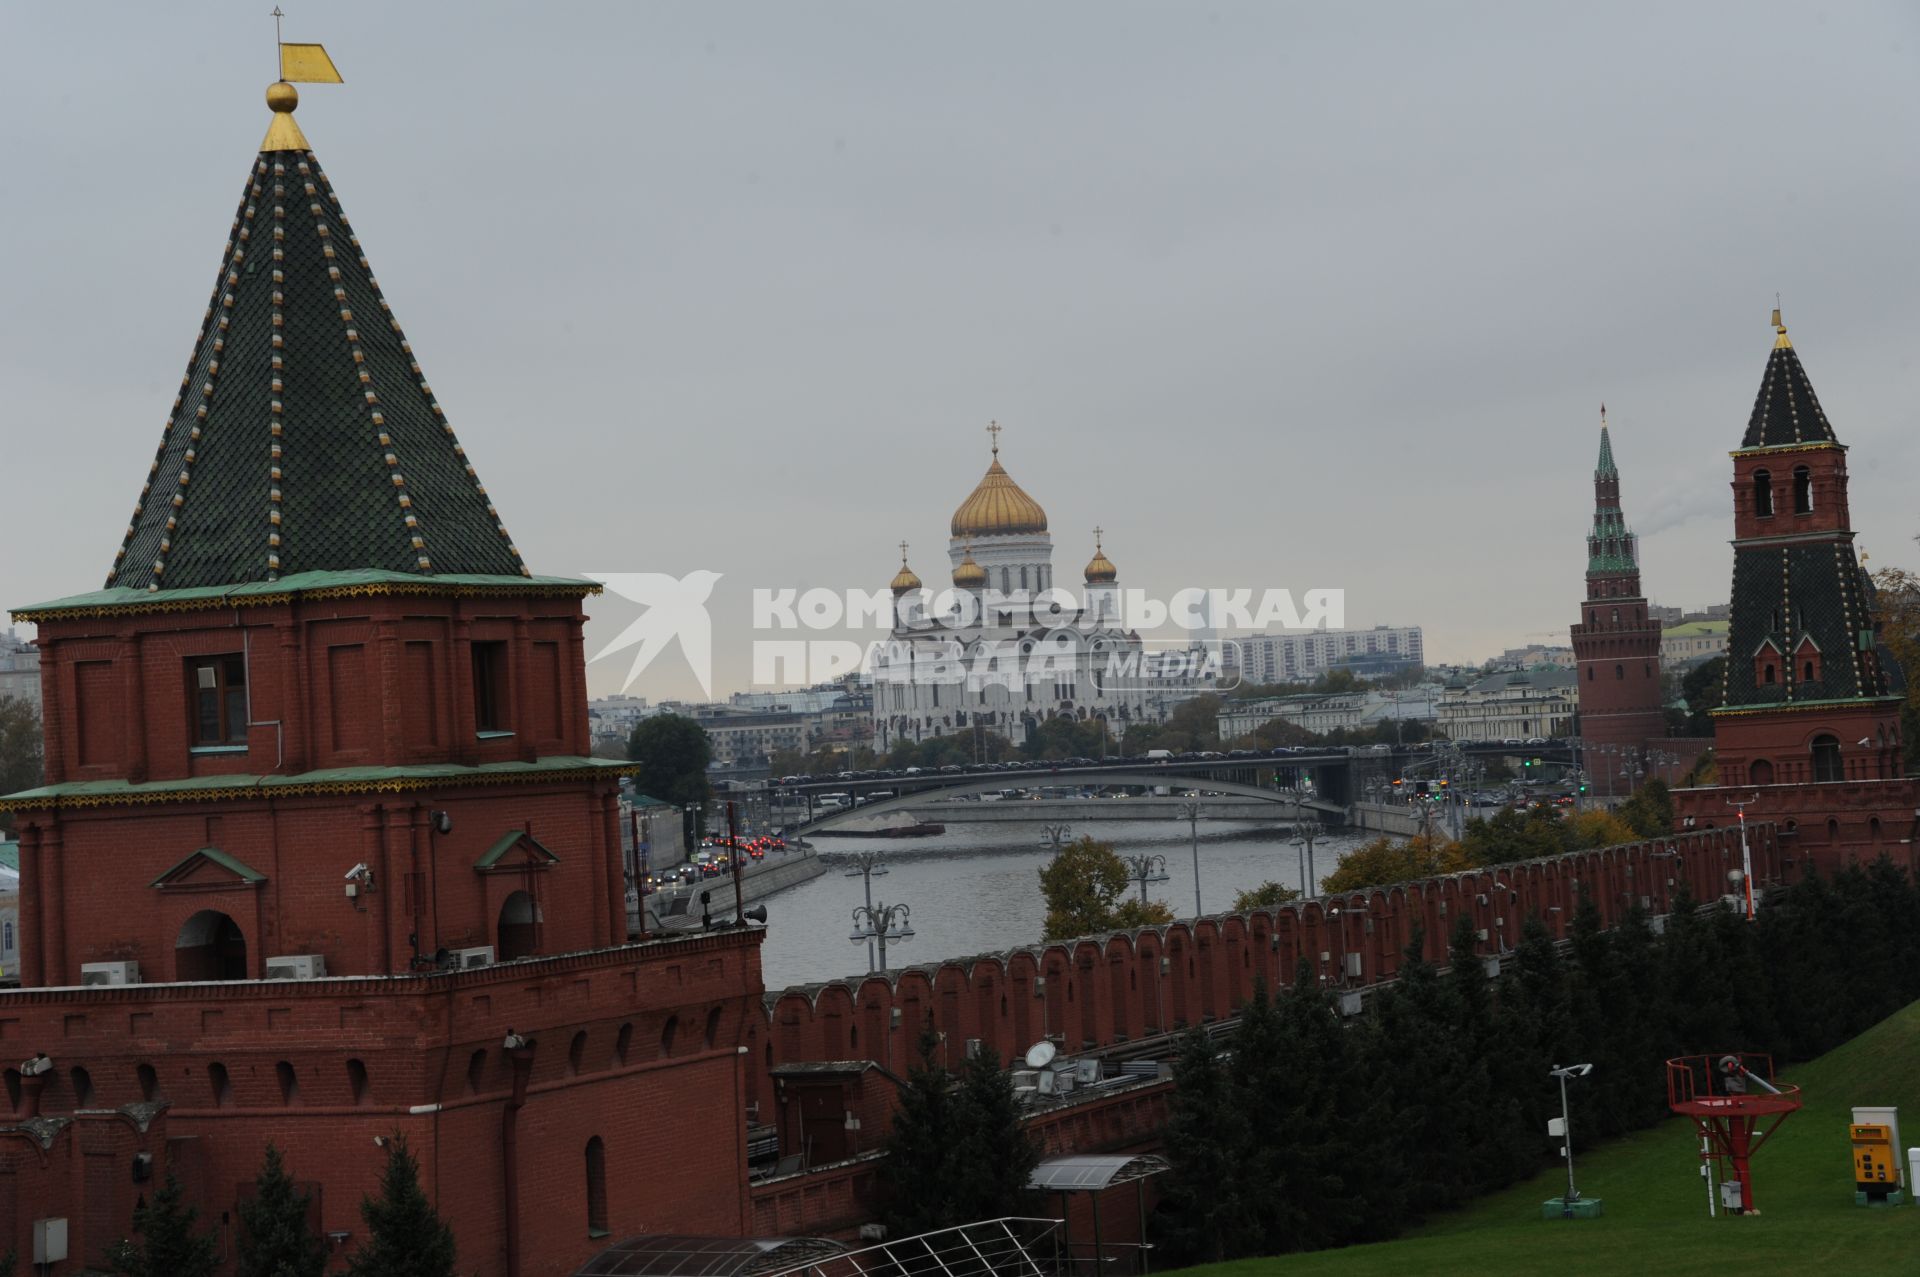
(679, 908)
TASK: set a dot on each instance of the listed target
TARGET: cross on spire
(903, 554)
(1096, 539)
(993, 428)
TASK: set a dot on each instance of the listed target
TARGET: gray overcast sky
(1281, 295)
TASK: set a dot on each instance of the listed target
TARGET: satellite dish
(1041, 1054)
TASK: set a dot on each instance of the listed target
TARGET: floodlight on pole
(1146, 869)
(881, 923)
(1191, 812)
(1563, 1072)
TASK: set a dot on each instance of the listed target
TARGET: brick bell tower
(1616, 645)
(1810, 723)
(322, 855)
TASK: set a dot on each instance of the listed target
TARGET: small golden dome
(904, 579)
(1100, 569)
(969, 575)
(282, 96)
(998, 506)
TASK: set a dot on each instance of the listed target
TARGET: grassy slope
(1656, 1204)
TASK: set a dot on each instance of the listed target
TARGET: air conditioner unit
(110, 973)
(297, 966)
(478, 956)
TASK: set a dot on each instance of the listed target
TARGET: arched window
(149, 1083)
(596, 1188)
(13, 1090)
(1616, 616)
(1802, 490)
(1766, 672)
(622, 1043)
(517, 935)
(577, 1051)
(1762, 494)
(210, 946)
(713, 1027)
(668, 1032)
(1619, 671)
(222, 1085)
(1826, 758)
(357, 1081)
(1806, 672)
(1760, 772)
(289, 1084)
(82, 1087)
(476, 1070)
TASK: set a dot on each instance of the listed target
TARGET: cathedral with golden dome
(1003, 649)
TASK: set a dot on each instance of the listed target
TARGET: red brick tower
(1810, 724)
(1616, 645)
(322, 855)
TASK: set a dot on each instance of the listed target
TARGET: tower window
(596, 1188)
(1766, 673)
(490, 687)
(218, 686)
(1619, 671)
(1826, 758)
(1763, 494)
(1802, 490)
(1806, 672)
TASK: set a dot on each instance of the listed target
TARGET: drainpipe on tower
(520, 1056)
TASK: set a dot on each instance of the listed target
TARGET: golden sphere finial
(282, 97)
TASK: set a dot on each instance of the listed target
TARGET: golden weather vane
(306, 64)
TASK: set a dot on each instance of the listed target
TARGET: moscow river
(976, 888)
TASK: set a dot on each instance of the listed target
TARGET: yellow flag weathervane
(306, 64)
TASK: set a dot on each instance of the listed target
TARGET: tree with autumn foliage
(1388, 860)
(1086, 892)
(1897, 601)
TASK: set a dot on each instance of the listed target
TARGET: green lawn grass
(1656, 1204)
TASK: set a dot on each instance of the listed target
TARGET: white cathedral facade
(999, 652)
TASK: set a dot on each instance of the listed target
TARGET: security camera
(514, 1041)
(39, 1064)
(442, 822)
(359, 871)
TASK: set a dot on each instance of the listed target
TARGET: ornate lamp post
(867, 866)
(881, 923)
(1191, 811)
(1146, 869)
(1054, 837)
(1304, 834)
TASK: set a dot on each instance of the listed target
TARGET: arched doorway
(517, 936)
(211, 946)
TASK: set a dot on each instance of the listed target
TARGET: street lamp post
(1339, 947)
(1146, 869)
(867, 867)
(881, 923)
(1566, 1126)
(1304, 834)
(1191, 810)
(1054, 837)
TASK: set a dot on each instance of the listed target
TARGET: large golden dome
(998, 506)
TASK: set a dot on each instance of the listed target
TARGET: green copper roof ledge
(129, 601)
(332, 780)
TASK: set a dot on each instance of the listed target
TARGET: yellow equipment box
(1873, 1163)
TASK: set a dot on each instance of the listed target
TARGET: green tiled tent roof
(1786, 411)
(305, 437)
(1786, 594)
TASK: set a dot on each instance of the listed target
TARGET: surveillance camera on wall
(39, 1064)
(359, 872)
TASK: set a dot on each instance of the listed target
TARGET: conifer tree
(1331, 1107)
(275, 1239)
(993, 1159)
(1498, 1144)
(169, 1246)
(920, 1147)
(405, 1236)
(1207, 1212)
